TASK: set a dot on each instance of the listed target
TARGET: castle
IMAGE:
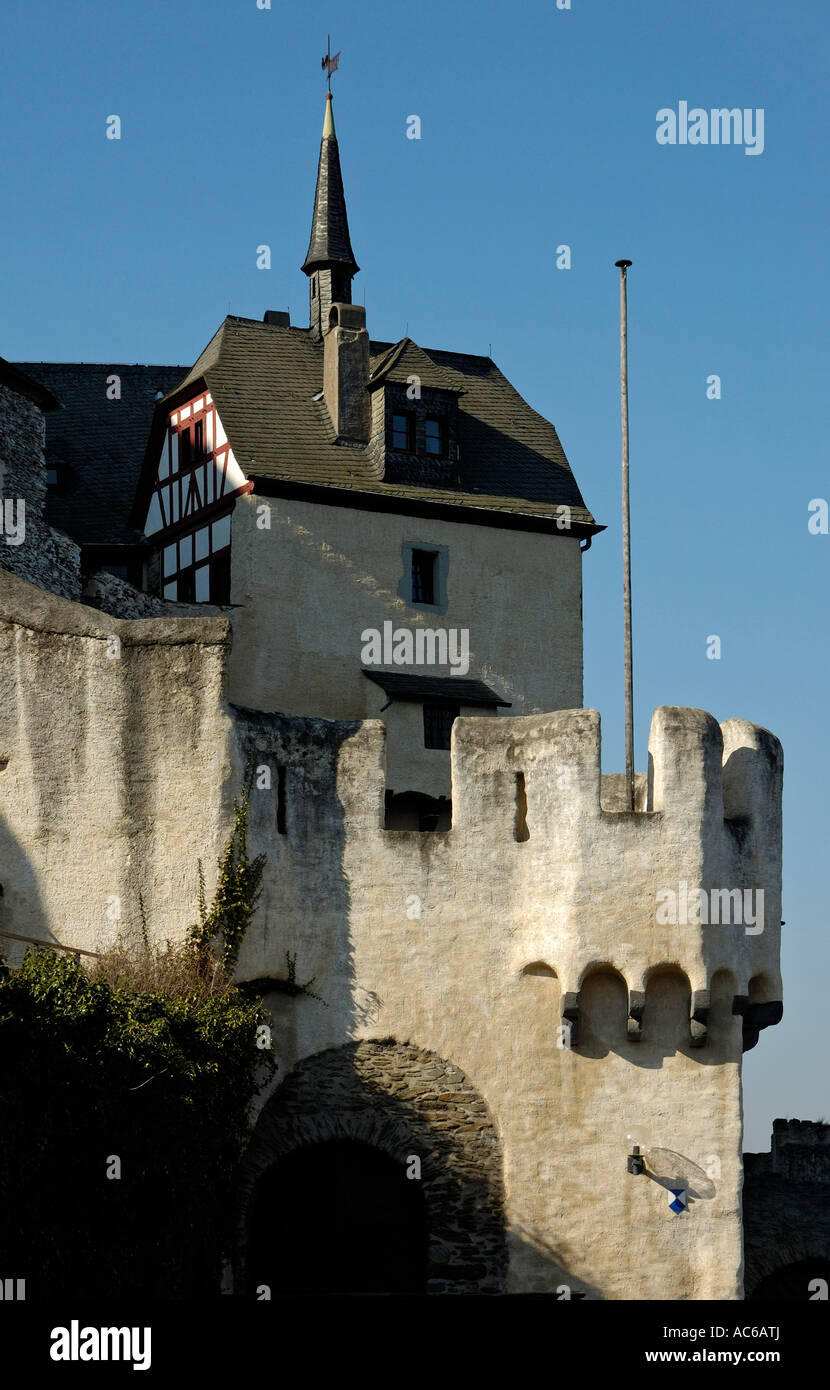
(520, 1073)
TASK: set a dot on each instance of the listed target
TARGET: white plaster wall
(309, 586)
(116, 768)
(578, 895)
(117, 774)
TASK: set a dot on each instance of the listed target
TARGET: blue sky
(538, 129)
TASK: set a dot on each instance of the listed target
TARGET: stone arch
(404, 1101)
(789, 1252)
(539, 999)
(539, 967)
(603, 1009)
(667, 1009)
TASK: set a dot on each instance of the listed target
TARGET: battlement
(120, 750)
(689, 883)
(800, 1152)
(587, 969)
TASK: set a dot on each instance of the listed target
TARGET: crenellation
(538, 965)
(686, 758)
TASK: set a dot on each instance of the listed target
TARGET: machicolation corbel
(699, 1022)
(570, 1015)
(636, 1005)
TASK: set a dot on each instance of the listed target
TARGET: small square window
(435, 436)
(438, 721)
(423, 576)
(403, 431)
(51, 477)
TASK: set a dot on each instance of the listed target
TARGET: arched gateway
(330, 1200)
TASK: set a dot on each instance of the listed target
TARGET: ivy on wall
(124, 1095)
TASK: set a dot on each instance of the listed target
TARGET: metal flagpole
(626, 534)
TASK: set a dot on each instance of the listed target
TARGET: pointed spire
(329, 247)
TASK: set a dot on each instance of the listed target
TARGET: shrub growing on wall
(124, 1094)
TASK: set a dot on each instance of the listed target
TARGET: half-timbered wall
(197, 483)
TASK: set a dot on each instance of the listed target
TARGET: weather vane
(330, 64)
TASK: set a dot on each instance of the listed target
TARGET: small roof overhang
(455, 690)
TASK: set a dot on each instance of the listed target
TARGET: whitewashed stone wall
(471, 945)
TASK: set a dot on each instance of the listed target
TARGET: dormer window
(436, 435)
(403, 431)
(421, 439)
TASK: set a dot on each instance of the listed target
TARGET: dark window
(280, 800)
(199, 439)
(120, 571)
(436, 436)
(185, 449)
(403, 431)
(187, 586)
(220, 578)
(520, 830)
(423, 576)
(438, 721)
(51, 477)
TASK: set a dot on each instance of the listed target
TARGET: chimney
(281, 317)
(346, 372)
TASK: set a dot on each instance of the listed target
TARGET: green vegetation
(150, 1057)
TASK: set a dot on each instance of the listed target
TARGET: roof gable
(405, 360)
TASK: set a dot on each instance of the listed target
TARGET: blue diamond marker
(678, 1205)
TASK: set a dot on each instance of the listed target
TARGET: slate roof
(101, 441)
(406, 359)
(263, 378)
(329, 243)
(23, 385)
(402, 685)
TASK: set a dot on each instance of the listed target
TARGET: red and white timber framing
(195, 489)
